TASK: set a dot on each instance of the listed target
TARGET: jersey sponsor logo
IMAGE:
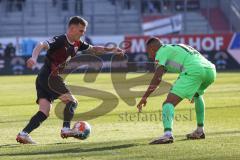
(75, 49)
(52, 40)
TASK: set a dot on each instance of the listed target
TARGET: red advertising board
(203, 42)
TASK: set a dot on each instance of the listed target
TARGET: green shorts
(188, 84)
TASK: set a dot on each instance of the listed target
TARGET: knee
(196, 95)
(72, 105)
(73, 101)
(172, 99)
(66, 98)
(167, 102)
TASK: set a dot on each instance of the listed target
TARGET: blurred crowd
(14, 5)
(18, 5)
(146, 6)
(157, 6)
(9, 51)
(64, 5)
(24, 47)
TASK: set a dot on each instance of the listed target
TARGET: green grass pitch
(116, 135)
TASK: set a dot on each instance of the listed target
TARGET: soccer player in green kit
(196, 73)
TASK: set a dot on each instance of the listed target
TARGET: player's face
(78, 31)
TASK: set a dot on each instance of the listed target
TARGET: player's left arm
(98, 50)
(157, 78)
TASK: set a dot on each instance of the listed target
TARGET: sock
(200, 129)
(199, 108)
(35, 122)
(22, 133)
(168, 133)
(167, 116)
(69, 113)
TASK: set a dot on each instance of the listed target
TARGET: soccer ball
(81, 130)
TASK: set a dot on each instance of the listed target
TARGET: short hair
(154, 41)
(77, 20)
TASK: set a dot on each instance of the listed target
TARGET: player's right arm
(51, 44)
(161, 58)
(157, 78)
(36, 51)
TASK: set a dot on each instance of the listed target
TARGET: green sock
(167, 116)
(199, 108)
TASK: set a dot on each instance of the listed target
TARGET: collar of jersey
(72, 43)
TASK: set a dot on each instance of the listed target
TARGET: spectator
(10, 51)
(151, 7)
(128, 4)
(17, 64)
(1, 50)
(9, 5)
(113, 2)
(221, 60)
(64, 5)
(143, 6)
(78, 7)
(54, 3)
(19, 5)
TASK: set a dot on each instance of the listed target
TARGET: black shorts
(49, 86)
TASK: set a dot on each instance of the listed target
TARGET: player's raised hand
(141, 104)
(31, 62)
(119, 51)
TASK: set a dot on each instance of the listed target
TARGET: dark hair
(77, 20)
(154, 41)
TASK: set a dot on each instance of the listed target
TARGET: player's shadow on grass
(224, 133)
(211, 134)
(77, 149)
(9, 145)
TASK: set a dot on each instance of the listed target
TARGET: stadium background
(121, 133)
(210, 26)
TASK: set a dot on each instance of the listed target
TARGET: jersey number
(187, 48)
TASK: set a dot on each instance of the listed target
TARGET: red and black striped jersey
(61, 49)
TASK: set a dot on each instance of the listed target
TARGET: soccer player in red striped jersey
(59, 50)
